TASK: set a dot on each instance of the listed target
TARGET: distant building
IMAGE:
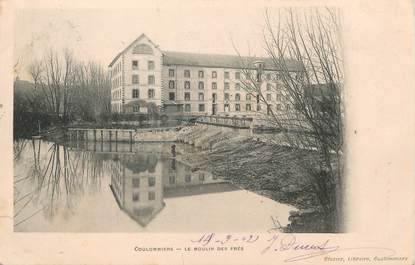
(143, 77)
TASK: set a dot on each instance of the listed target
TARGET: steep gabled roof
(222, 61)
(129, 46)
(213, 60)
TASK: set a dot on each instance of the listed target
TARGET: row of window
(150, 65)
(188, 177)
(201, 74)
(172, 84)
(151, 80)
(226, 97)
(214, 74)
(151, 182)
(151, 196)
(201, 85)
(150, 94)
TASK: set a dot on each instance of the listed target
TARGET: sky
(99, 34)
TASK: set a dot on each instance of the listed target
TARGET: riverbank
(258, 165)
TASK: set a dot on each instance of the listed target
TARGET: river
(122, 187)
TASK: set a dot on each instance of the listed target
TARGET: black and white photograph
(169, 139)
(193, 132)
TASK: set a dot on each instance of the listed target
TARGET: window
(237, 75)
(248, 107)
(187, 107)
(226, 75)
(226, 107)
(151, 196)
(171, 72)
(136, 182)
(248, 97)
(188, 178)
(268, 97)
(237, 107)
(237, 97)
(201, 176)
(214, 97)
(268, 86)
(268, 76)
(134, 79)
(279, 106)
(268, 109)
(151, 80)
(151, 181)
(172, 179)
(171, 96)
(201, 107)
(186, 84)
(287, 107)
(187, 73)
(151, 93)
(150, 65)
(135, 93)
(258, 107)
(214, 74)
(279, 97)
(136, 197)
(201, 96)
(226, 96)
(238, 86)
(226, 85)
(171, 84)
(136, 108)
(214, 85)
(201, 85)
(134, 64)
(201, 74)
(187, 96)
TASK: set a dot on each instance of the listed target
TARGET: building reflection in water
(141, 181)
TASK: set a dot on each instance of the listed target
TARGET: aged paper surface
(378, 188)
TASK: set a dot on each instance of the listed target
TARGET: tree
(71, 87)
(304, 45)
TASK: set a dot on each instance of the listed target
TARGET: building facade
(143, 77)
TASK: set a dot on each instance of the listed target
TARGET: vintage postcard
(207, 132)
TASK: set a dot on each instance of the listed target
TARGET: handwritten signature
(289, 243)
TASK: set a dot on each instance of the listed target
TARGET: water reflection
(142, 181)
(53, 180)
(51, 177)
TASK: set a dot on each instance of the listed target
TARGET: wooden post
(102, 136)
(86, 135)
(131, 137)
(109, 135)
(95, 135)
(77, 135)
(116, 136)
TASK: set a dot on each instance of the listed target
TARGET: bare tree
(304, 46)
(68, 85)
